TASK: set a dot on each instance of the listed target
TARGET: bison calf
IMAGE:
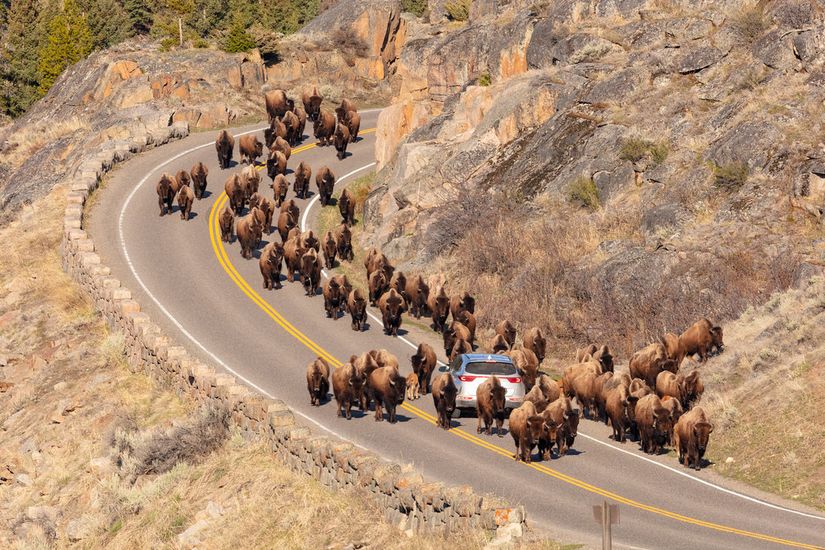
(413, 387)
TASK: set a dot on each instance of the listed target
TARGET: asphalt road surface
(203, 293)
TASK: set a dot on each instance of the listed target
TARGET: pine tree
(238, 40)
(208, 16)
(108, 22)
(139, 14)
(18, 58)
(68, 40)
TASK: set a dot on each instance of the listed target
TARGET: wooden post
(180, 30)
(606, 514)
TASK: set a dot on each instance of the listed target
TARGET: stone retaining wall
(407, 499)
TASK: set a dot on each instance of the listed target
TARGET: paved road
(211, 299)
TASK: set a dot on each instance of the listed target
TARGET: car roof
(480, 357)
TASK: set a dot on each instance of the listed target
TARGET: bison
(557, 413)
(691, 436)
(165, 194)
(324, 127)
(250, 181)
(275, 164)
(460, 347)
(392, 305)
(600, 394)
(444, 394)
(649, 361)
(312, 104)
(347, 386)
(325, 181)
(357, 307)
(620, 407)
(341, 140)
(343, 239)
(250, 148)
(353, 122)
(270, 262)
(185, 199)
(276, 104)
(280, 186)
(286, 222)
(378, 284)
(490, 405)
(387, 388)
(413, 387)
(280, 144)
(311, 271)
(277, 130)
(456, 331)
(675, 410)
(302, 122)
(508, 332)
(224, 145)
(423, 364)
(330, 248)
(534, 340)
(417, 293)
(292, 258)
(687, 389)
(346, 206)
(334, 297)
(292, 126)
(303, 173)
(653, 422)
(234, 190)
(199, 172)
(317, 381)
(702, 338)
(309, 240)
(527, 427)
(469, 321)
(462, 303)
(248, 231)
(527, 364)
(227, 223)
(439, 306)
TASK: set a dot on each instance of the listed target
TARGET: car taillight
(467, 378)
(514, 379)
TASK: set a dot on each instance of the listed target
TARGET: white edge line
(175, 321)
(599, 441)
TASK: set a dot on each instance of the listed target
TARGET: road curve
(203, 292)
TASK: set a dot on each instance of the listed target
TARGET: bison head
(702, 431)
(716, 335)
(499, 397)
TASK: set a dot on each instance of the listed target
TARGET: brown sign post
(606, 514)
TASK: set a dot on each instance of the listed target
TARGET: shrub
(730, 176)
(347, 42)
(749, 22)
(635, 149)
(238, 40)
(416, 7)
(584, 190)
(458, 10)
(484, 79)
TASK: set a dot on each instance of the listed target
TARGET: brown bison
(462, 303)
(691, 436)
(292, 126)
(227, 223)
(413, 387)
(378, 285)
(417, 293)
(460, 347)
(469, 321)
(600, 394)
(302, 176)
(536, 397)
(499, 344)
(548, 387)
(341, 140)
(302, 122)
(276, 104)
(674, 408)
(346, 205)
(347, 385)
(292, 258)
(199, 173)
(508, 331)
(375, 261)
(398, 281)
(224, 145)
(702, 338)
(250, 148)
(343, 239)
(583, 386)
(330, 248)
(317, 381)
(277, 130)
(654, 424)
(270, 262)
(234, 190)
(392, 305)
(687, 389)
(649, 361)
(620, 407)
(292, 207)
(324, 127)
(309, 240)
(311, 272)
(325, 182)
(280, 144)
(275, 164)
(280, 186)
(527, 427)
(353, 122)
(639, 388)
(387, 388)
(334, 298)
(557, 413)
(456, 331)
(286, 222)
(312, 104)
(527, 364)
(357, 307)
(182, 178)
(250, 181)
(583, 353)
(248, 231)
(490, 405)
(384, 358)
(346, 106)
(185, 199)
(444, 395)
(165, 194)
(267, 206)
(439, 306)
(534, 340)
(423, 364)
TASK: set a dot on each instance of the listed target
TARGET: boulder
(696, 58)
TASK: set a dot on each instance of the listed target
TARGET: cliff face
(672, 155)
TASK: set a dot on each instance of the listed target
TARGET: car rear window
(491, 367)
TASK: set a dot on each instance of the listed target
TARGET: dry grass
(32, 137)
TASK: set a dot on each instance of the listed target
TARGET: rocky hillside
(611, 169)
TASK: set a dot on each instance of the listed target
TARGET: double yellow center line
(235, 276)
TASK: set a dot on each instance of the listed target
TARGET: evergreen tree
(139, 15)
(108, 22)
(67, 41)
(208, 16)
(18, 59)
(238, 40)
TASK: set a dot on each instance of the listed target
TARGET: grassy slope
(66, 394)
